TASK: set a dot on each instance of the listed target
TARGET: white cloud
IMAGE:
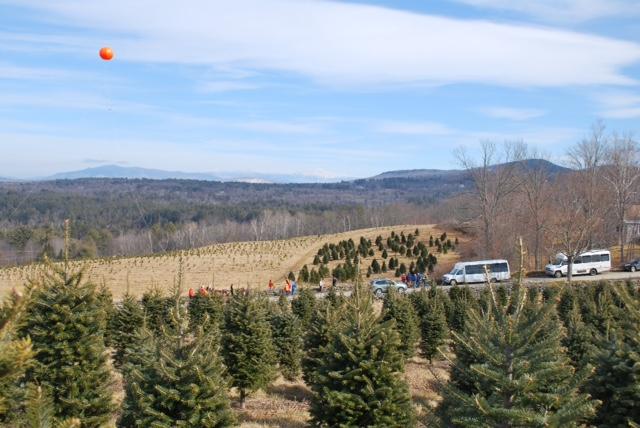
(350, 44)
(413, 128)
(562, 10)
(227, 86)
(510, 113)
(619, 105)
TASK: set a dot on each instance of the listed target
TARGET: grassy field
(242, 264)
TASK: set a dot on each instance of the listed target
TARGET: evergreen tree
(291, 276)
(16, 356)
(156, 308)
(287, 339)
(384, 267)
(516, 368)
(385, 254)
(616, 381)
(40, 411)
(66, 323)
(399, 308)
(375, 266)
(126, 320)
(176, 378)
(303, 306)
(105, 299)
(433, 329)
(247, 344)
(206, 311)
(359, 377)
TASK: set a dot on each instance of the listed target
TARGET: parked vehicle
(468, 272)
(381, 286)
(632, 266)
(590, 262)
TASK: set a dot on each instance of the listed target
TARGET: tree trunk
(622, 242)
(569, 268)
(243, 398)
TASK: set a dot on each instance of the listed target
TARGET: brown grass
(286, 404)
(242, 264)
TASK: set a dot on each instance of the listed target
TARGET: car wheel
(453, 283)
(402, 290)
(558, 274)
(379, 293)
(593, 272)
(633, 269)
(493, 280)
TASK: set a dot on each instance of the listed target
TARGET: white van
(467, 272)
(588, 263)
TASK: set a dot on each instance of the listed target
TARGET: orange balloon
(106, 54)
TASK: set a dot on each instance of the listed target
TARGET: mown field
(240, 264)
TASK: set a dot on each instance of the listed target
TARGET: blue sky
(307, 87)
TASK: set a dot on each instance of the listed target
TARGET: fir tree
(156, 307)
(247, 344)
(433, 329)
(176, 378)
(616, 381)
(399, 308)
(359, 378)
(516, 367)
(16, 356)
(206, 311)
(287, 338)
(375, 266)
(105, 299)
(126, 320)
(66, 324)
(303, 306)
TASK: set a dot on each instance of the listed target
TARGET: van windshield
(455, 271)
(560, 261)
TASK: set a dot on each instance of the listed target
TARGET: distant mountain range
(117, 171)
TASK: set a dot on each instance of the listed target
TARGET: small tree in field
(126, 320)
(358, 379)
(247, 344)
(516, 369)
(176, 378)
(66, 324)
(287, 338)
(399, 308)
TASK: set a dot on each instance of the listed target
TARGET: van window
(604, 257)
(474, 269)
(586, 259)
(499, 268)
(596, 258)
(577, 260)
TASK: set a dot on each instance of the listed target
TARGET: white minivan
(467, 272)
(588, 263)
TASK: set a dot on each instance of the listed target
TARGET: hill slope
(238, 263)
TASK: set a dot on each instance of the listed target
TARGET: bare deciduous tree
(587, 158)
(571, 226)
(536, 188)
(621, 172)
(495, 178)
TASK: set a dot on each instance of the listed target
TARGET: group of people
(414, 279)
(203, 291)
(290, 287)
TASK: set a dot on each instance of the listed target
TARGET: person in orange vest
(203, 291)
(192, 293)
(287, 287)
(271, 286)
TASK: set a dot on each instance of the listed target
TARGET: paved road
(609, 276)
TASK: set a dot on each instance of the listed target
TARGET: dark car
(632, 266)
